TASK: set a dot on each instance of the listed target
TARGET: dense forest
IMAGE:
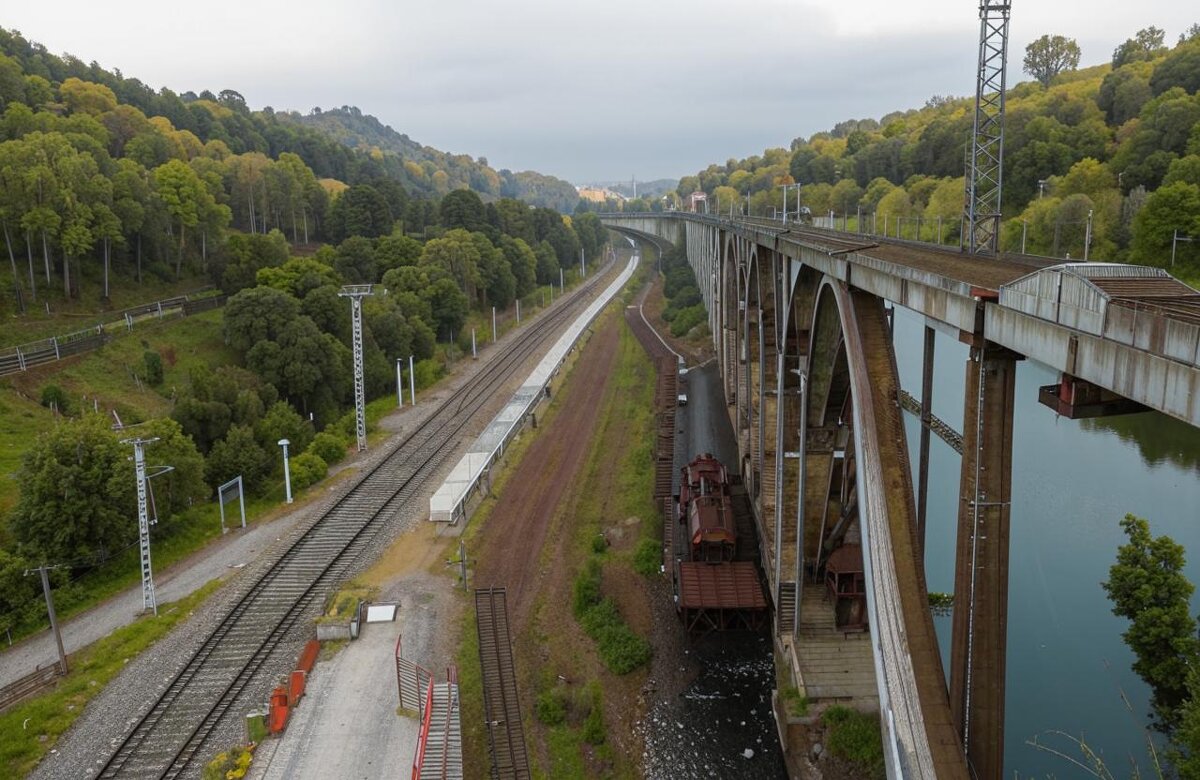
(1119, 141)
(105, 183)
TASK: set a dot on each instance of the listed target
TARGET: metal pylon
(139, 466)
(356, 292)
(986, 160)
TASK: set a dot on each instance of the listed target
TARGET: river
(1068, 668)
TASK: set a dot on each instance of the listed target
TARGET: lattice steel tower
(356, 292)
(986, 160)
(139, 466)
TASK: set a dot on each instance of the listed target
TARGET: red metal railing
(423, 737)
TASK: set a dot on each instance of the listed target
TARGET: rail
(502, 712)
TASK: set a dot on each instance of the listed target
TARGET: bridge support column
(978, 642)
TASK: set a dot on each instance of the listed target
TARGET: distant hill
(432, 171)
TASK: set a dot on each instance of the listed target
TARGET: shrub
(152, 367)
(599, 544)
(586, 590)
(687, 319)
(620, 649)
(307, 469)
(856, 738)
(328, 447)
(550, 708)
(647, 558)
(593, 725)
(54, 397)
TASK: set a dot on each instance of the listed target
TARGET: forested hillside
(1120, 141)
(106, 185)
(431, 172)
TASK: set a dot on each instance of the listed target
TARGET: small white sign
(381, 613)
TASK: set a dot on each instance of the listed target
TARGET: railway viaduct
(799, 320)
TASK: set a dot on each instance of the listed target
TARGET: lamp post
(400, 380)
(287, 473)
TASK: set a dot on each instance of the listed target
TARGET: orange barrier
(296, 685)
(279, 710)
(308, 658)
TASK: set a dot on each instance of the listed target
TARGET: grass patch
(796, 702)
(31, 729)
(855, 737)
(342, 605)
(647, 557)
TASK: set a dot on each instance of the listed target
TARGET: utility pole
(356, 292)
(1087, 236)
(44, 570)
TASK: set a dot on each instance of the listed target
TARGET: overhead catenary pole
(356, 292)
(62, 654)
(139, 466)
(493, 324)
(986, 161)
(474, 353)
(412, 382)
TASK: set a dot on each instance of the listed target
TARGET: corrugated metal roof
(1133, 286)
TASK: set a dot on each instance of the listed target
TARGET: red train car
(707, 509)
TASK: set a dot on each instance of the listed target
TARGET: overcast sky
(585, 91)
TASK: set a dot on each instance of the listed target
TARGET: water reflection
(1067, 669)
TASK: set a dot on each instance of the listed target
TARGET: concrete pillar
(978, 641)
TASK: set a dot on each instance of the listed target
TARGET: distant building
(695, 199)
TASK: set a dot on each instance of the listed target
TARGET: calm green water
(1073, 481)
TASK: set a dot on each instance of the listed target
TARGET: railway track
(502, 710)
(169, 737)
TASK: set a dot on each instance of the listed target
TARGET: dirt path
(518, 526)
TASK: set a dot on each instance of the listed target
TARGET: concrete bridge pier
(979, 635)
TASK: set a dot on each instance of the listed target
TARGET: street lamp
(287, 474)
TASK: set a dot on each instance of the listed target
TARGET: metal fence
(14, 360)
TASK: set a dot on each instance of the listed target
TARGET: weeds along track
(168, 738)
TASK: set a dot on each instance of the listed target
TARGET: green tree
(77, 494)
(185, 198)
(1145, 45)
(283, 422)
(258, 314)
(1049, 56)
(1147, 587)
(1169, 209)
(238, 453)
